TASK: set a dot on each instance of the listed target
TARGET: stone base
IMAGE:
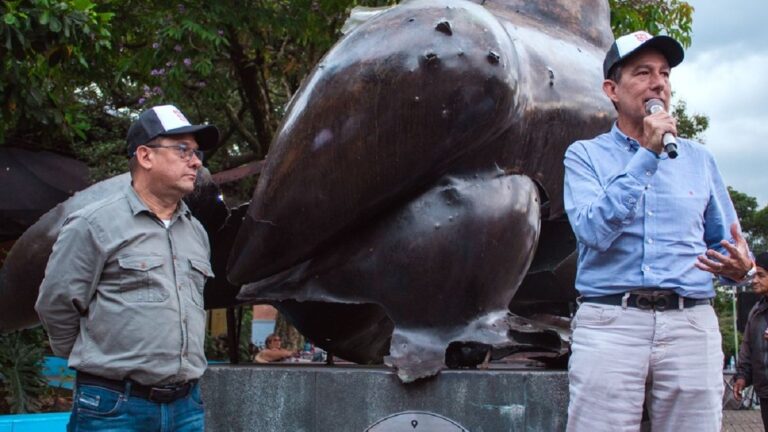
(318, 398)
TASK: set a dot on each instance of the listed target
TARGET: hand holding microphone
(670, 143)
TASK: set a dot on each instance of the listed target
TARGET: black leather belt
(647, 299)
(159, 394)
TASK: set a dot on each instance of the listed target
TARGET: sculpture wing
(383, 115)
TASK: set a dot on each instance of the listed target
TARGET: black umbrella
(31, 183)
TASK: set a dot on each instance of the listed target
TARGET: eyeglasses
(185, 153)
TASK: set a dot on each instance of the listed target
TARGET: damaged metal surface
(414, 175)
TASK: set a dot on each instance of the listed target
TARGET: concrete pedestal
(302, 398)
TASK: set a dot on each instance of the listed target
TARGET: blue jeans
(103, 410)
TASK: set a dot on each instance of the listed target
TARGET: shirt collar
(137, 205)
(762, 301)
(627, 142)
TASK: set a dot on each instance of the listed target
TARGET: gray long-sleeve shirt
(122, 295)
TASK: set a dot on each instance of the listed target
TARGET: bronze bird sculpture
(415, 173)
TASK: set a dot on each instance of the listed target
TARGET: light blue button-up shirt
(641, 220)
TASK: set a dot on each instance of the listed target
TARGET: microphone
(670, 143)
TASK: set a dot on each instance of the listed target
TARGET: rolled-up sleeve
(70, 281)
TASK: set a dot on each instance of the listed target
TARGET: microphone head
(653, 106)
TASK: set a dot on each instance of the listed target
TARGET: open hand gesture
(735, 265)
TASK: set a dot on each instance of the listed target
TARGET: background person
(122, 296)
(753, 354)
(273, 351)
(647, 226)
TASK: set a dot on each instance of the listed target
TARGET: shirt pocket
(140, 279)
(199, 272)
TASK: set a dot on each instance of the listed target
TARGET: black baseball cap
(627, 45)
(165, 120)
(761, 260)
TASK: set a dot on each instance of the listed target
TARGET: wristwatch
(749, 275)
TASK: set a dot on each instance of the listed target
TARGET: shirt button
(646, 268)
(648, 173)
(650, 213)
(650, 241)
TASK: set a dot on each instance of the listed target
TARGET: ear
(145, 157)
(609, 88)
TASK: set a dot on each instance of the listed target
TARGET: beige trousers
(616, 351)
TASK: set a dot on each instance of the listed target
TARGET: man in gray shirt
(122, 296)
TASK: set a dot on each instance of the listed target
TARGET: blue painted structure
(49, 422)
(57, 373)
(260, 329)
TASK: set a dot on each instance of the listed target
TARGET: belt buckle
(645, 300)
(656, 300)
(162, 395)
(662, 301)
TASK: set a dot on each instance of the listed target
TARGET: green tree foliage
(671, 17)
(754, 221)
(217, 348)
(21, 379)
(45, 49)
(234, 64)
(724, 310)
(759, 230)
(691, 126)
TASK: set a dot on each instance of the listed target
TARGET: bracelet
(749, 275)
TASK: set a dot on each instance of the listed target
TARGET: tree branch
(247, 135)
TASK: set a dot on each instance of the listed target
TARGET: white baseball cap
(164, 120)
(629, 44)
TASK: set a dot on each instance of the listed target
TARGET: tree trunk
(292, 339)
(248, 74)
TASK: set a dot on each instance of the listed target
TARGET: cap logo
(642, 36)
(630, 42)
(170, 117)
(179, 115)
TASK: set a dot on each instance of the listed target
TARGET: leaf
(10, 19)
(83, 5)
(22, 380)
(54, 25)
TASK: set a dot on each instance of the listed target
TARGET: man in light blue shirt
(651, 231)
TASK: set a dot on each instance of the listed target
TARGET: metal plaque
(415, 421)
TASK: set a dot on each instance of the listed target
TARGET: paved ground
(742, 421)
